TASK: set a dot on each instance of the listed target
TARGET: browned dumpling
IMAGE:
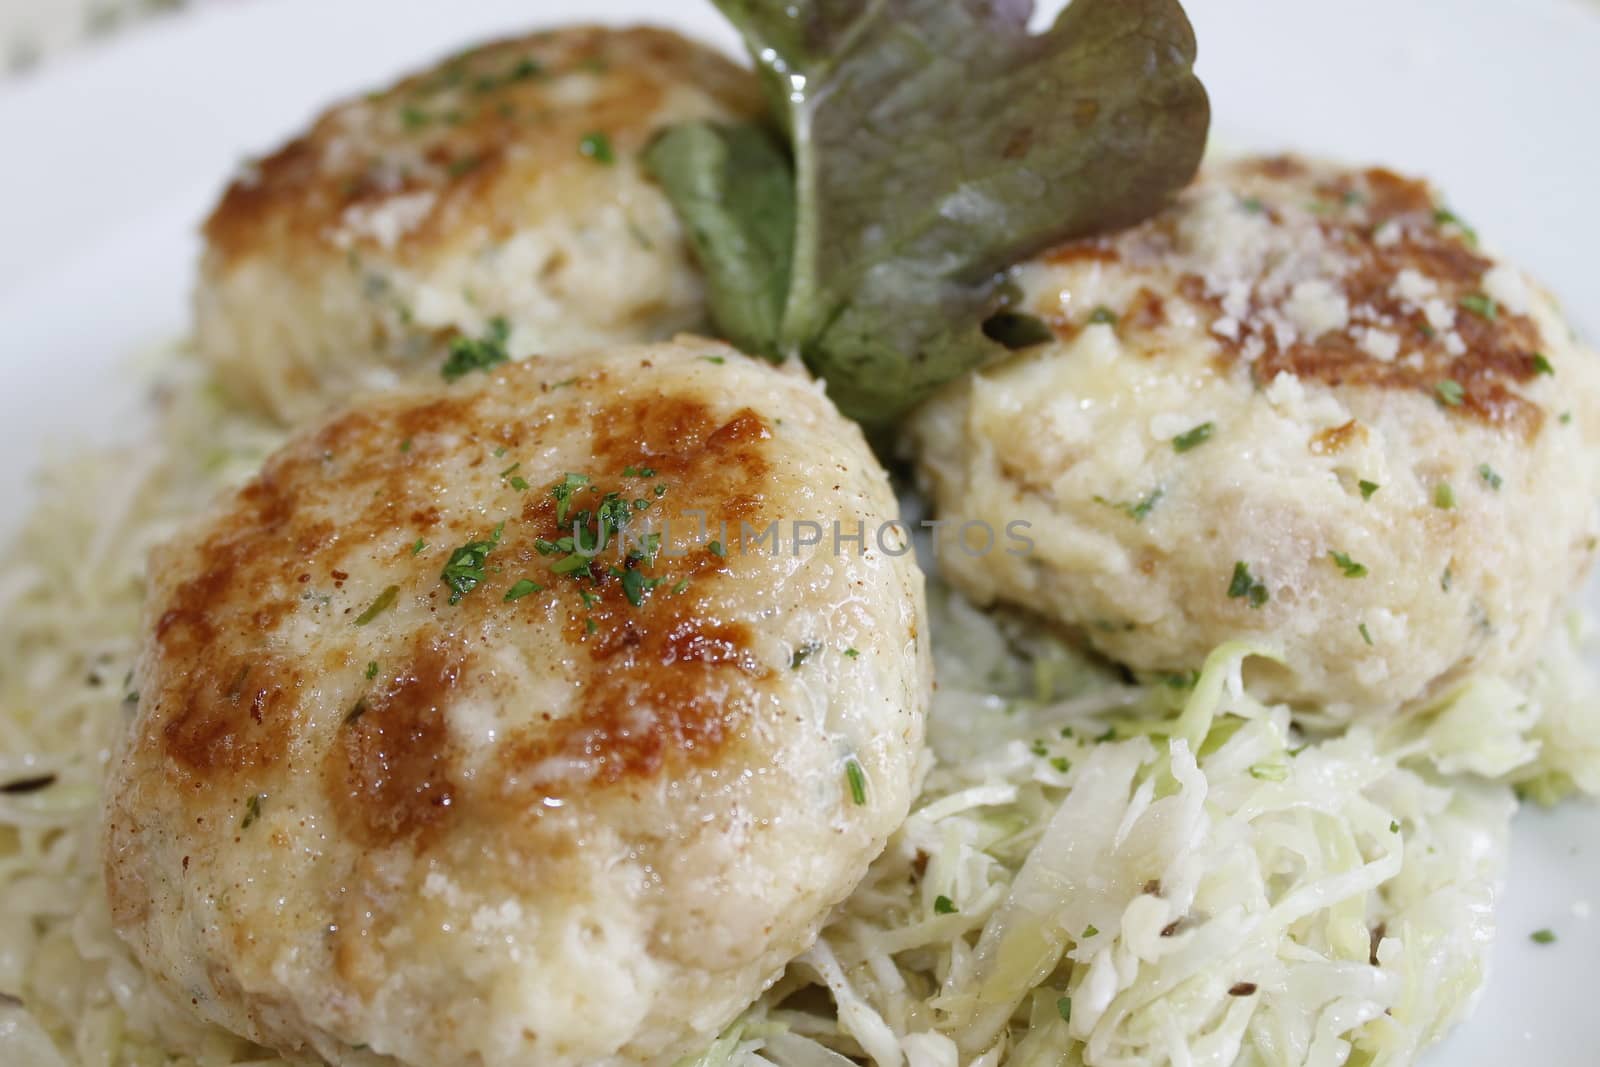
(413, 781)
(1302, 407)
(498, 194)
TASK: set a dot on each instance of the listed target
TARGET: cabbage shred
(1097, 873)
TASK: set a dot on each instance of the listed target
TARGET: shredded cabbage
(1099, 873)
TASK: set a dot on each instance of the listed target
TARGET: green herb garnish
(1193, 438)
(878, 256)
(943, 905)
(1351, 568)
(465, 568)
(1543, 937)
(467, 355)
(1490, 476)
(1367, 488)
(857, 778)
(1444, 497)
(372, 670)
(1365, 636)
(597, 146)
(521, 588)
(1245, 585)
(1482, 306)
(1541, 365)
(1064, 1008)
(252, 811)
(1103, 316)
(1449, 392)
(385, 600)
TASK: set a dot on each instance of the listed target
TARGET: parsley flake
(465, 568)
(1193, 438)
(521, 588)
(597, 146)
(252, 811)
(1064, 1008)
(1449, 392)
(1541, 365)
(372, 669)
(1365, 636)
(1351, 568)
(1444, 497)
(1481, 305)
(385, 600)
(468, 355)
(1243, 584)
(1490, 476)
(1367, 488)
(1543, 937)
(857, 779)
(943, 905)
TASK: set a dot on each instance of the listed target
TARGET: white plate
(112, 156)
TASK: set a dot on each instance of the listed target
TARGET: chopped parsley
(465, 568)
(1245, 585)
(857, 778)
(638, 472)
(943, 905)
(1089, 931)
(252, 811)
(718, 360)
(683, 583)
(802, 654)
(717, 550)
(519, 483)
(372, 669)
(383, 603)
(1193, 438)
(1064, 1008)
(1446, 217)
(1061, 764)
(1367, 488)
(1444, 497)
(1481, 305)
(635, 585)
(1351, 568)
(468, 355)
(852, 653)
(1542, 365)
(521, 588)
(1490, 476)
(562, 493)
(597, 146)
(1445, 580)
(1449, 392)
(1103, 316)
(1394, 826)
(1543, 937)
(416, 549)
(405, 446)
(1136, 510)
(1253, 205)
(1365, 636)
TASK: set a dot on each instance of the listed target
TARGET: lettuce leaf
(933, 145)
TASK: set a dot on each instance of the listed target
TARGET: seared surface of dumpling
(1302, 406)
(410, 777)
(501, 186)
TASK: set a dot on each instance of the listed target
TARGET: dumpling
(537, 719)
(1303, 407)
(496, 198)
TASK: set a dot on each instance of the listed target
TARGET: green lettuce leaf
(934, 144)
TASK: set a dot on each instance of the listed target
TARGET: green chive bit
(1543, 937)
(1193, 438)
(1481, 305)
(1450, 393)
(1365, 636)
(857, 779)
(1444, 497)
(384, 602)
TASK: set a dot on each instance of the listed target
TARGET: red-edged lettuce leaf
(933, 145)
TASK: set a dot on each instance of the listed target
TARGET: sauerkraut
(1098, 872)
